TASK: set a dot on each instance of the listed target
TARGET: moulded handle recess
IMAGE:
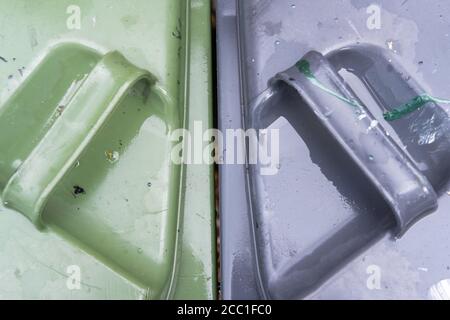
(407, 191)
(110, 80)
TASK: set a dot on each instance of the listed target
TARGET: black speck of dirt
(20, 71)
(149, 184)
(127, 200)
(10, 76)
(14, 59)
(291, 79)
(3, 59)
(78, 190)
(420, 62)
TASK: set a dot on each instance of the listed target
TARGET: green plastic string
(414, 104)
(396, 113)
(304, 67)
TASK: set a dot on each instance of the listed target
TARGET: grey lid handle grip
(419, 119)
(407, 191)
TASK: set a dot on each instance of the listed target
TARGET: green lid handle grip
(90, 107)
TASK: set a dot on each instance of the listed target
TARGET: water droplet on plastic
(361, 115)
(16, 164)
(371, 157)
(293, 6)
(373, 124)
(277, 42)
(112, 156)
(391, 45)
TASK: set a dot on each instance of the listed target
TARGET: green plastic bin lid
(92, 204)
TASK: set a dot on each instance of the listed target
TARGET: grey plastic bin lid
(364, 149)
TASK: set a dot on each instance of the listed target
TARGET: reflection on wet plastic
(347, 183)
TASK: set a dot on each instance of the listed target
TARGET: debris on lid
(112, 156)
(77, 190)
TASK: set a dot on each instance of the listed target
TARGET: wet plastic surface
(90, 163)
(324, 225)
